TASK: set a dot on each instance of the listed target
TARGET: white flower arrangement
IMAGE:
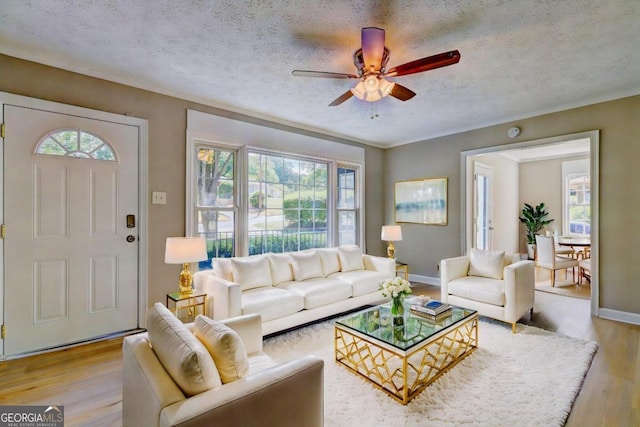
(396, 287)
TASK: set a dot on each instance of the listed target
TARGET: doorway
(563, 146)
(73, 223)
(482, 206)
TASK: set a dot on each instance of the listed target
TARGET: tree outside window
(215, 200)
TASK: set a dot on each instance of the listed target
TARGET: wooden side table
(401, 267)
(187, 306)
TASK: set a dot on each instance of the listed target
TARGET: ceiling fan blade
(425, 64)
(372, 47)
(324, 74)
(339, 100)
(401, 92)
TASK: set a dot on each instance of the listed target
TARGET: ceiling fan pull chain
(374, 114)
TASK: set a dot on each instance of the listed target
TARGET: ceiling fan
(371, 61)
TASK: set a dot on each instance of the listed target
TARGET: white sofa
(268, 394)
(496, 284)
(294, 288)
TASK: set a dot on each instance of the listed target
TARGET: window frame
(572, 169)
(191, 198)
(241, 183)
(358, 192)
(295, 157)
(78, 153)
(568, 205)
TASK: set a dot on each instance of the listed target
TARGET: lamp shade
(181, 250)
(391, 233)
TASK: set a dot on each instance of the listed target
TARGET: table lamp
(390, 234)
(185, 250)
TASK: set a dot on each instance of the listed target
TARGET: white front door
(482, 206)
(71, 243)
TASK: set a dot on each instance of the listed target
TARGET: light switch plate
(159, 198)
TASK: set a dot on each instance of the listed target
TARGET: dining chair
(584, 270)
(548, 259)
(563, 251)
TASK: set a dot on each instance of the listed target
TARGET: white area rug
(527, 379)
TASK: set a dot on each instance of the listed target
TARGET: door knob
(131, 238)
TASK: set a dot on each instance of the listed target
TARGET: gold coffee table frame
(403, 362)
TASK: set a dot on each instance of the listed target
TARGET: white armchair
(505, 294)
(286, 394)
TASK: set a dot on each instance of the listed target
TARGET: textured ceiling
(520, 58)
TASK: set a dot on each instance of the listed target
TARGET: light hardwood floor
(87, 380)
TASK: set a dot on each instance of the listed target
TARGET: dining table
(574, 241)
(580, 245)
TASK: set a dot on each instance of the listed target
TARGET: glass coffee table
(403, 360)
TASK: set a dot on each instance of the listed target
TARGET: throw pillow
(486, 263)
(222, 268)
(350, 258)
(280, 268)
(225, 346)
(183, 356)
(306, 265)
(251, 273)
(330, 260)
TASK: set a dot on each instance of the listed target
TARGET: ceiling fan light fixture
(371, 84)
(373, 96)
(358, 91)
(386, 87)
(372, 89)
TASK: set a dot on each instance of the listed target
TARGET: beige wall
(167, 119)
(423, 246)
(619, 201)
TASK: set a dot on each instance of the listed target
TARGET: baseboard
(424, 279)
(619, 316)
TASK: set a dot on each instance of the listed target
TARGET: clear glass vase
(397, 310)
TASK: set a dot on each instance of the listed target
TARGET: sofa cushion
(362, 281)
(251, 273)
(271, 303)
(306, 265)
(280, 268)
(225, 346)
(486, 263)
(183, 356)
(330, 260)
(350, 258)
(320, 291)
(481, 289)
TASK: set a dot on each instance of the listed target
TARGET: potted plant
(534, 220)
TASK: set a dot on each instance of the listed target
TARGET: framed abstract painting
(421, 201)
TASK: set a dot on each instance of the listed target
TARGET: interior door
(71, 247)
(482, 206)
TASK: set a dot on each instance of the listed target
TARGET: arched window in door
(75, 143)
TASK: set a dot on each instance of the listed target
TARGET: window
(75, 143)
(248, 201)
(578, 204)
(347, 206)
(287, 203)
(215, 199)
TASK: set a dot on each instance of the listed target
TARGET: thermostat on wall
(513, 132)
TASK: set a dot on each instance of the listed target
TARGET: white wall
(506, 207)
